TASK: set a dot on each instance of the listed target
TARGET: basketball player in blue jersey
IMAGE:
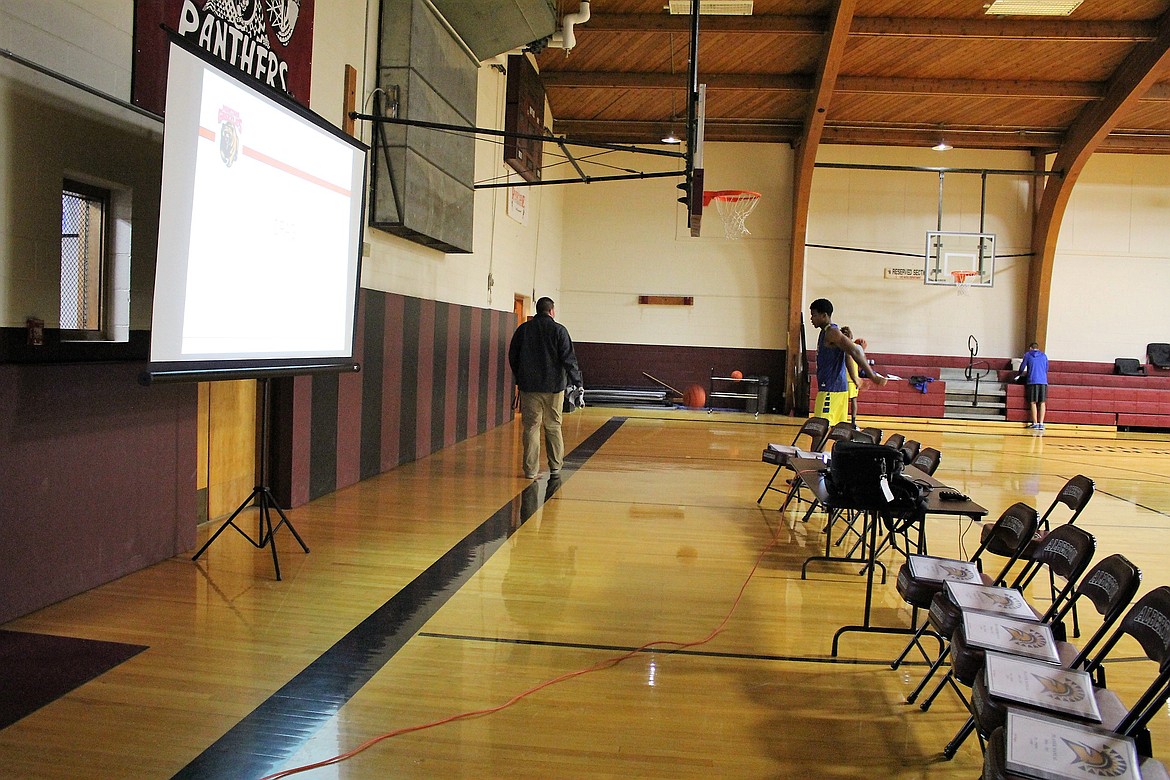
(832, 381)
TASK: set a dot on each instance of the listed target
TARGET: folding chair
(927, 460)
(1159, 355)
(995, 762)
(910, 449)
(816, 429)
(1145, 621)
(1110, 587)
(1075, 496)
(1067, 551)
(842, 431)
(1013, 530)
(871, 435)
(896, 441)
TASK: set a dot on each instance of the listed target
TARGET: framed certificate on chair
(926, 567)
(1045, 747)
(990, 598)
(1041, 685)
(1009, 635)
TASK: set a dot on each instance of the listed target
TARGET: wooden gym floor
(452, 585)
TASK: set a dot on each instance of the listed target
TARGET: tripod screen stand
(261, 497)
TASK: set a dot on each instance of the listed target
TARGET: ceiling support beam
(804, 161)
(1055, 90)
(895, 27)
(1145, 64)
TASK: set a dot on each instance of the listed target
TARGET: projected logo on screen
(235, 31)
(229, 135)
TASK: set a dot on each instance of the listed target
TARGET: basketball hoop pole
(694, 167)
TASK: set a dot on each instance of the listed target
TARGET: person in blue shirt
(1034, 371)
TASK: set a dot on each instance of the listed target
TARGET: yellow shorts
(832, 406)
(854, 391)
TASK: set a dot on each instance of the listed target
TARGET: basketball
(737, 374)
(694, 397)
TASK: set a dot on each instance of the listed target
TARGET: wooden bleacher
(1081, 393)
(1090, 393)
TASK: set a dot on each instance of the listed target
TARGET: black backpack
(869, 477)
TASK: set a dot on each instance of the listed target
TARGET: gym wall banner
(272, 40)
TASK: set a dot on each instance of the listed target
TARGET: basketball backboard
(948, 253)
(524, 115)
(695, 138)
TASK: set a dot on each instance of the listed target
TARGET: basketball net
(733, 206)
(963, 280)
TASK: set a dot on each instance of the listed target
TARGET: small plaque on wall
(667, 300)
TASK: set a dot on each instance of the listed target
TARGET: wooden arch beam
(1139, 71)
(804, 160)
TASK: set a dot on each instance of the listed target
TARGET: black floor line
(267, 737)
(666, 649)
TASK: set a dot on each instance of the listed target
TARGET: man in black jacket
(543, 362)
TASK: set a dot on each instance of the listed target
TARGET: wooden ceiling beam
(666, 23)
(804, 160)
(899, 27)
(1005, 29)
(640, 131)
(1146, 63)
(613, 80)
(1059, 90)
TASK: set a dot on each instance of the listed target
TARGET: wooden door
(227, 444)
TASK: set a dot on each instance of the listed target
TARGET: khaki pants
(539, 410)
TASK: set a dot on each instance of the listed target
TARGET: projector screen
(260, 232)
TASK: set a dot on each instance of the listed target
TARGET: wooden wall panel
(231, 445)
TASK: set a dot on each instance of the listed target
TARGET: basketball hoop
(733, 206)
(963, 280)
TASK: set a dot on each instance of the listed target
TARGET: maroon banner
(271, 40)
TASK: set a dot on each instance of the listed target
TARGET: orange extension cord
(605, 664)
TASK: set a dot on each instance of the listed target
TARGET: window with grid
(83, 256)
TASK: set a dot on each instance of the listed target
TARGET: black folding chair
(1146, 622)
(1110, 587)
(816, 429)
(1074, 496)
(842, 431)
(1014, 528)
(1067, 551)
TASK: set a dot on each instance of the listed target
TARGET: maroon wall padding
(349, 413)
(391, 404)
(97, 478)
(622, 365)
(452, 411)
(475, 359)
(422, 354)
(432, 374)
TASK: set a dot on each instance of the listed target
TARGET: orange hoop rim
(962, 276)
(732, 196)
